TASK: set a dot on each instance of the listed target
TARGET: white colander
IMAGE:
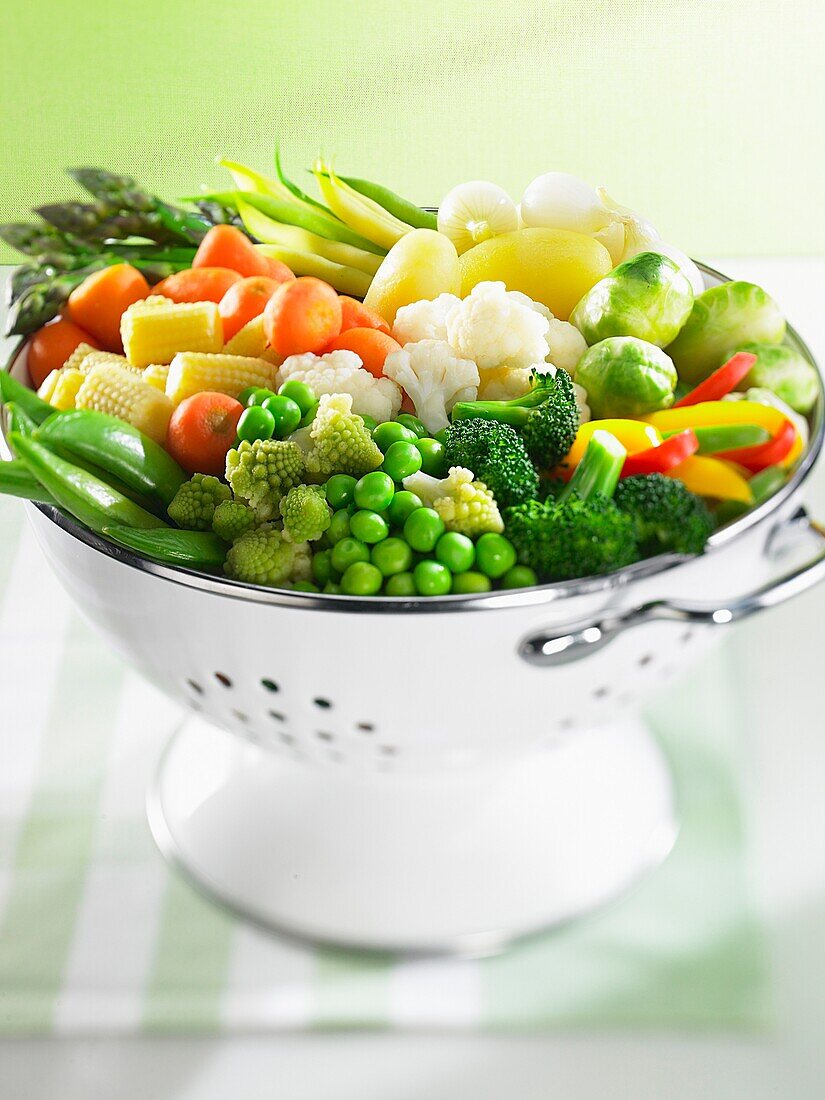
(438, 774)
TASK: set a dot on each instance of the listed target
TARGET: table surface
(786, 754)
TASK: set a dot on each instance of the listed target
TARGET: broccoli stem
(599, 469)
(505, 412)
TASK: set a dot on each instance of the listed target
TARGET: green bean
(394, 204)
(198, 549)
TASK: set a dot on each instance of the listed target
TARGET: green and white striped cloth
(97, 935)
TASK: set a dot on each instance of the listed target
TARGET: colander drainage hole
(365, 727)
(239, 714)
(568, 723)
(387, 750)
(601, 692)
(324, 735)
(222, 678)
(195, 686)
(287, 738)
(323, 704)
(645, 660)
(686, 637)
(276, 714)
(270, 685)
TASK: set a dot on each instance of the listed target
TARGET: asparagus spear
(33, 239)
(122, 194)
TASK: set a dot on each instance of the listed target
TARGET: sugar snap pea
(17, 481)
(198, 549)
(24, 398)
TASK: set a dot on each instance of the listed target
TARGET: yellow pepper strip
(634, 435)
(711, 413)
(711, 477)
(793, 454)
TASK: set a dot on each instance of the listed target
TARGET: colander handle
(547, 650)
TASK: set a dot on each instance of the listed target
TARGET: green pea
(433, 461)
(520, 576)
(347, 551)
(286, 413)
(340, 488)
(455, 551)
(256, 423)
(370, 421)
(401, 584)
(338, 526)
(495, 555)
(402, 460)
(432, 578)
(441, 436)
(322, 566)
(402, 504)
(361, 579)
(246, 397)
(300, 393)
(374, 491)
(391, 556)
(368, 526)
(423, 528)
(258, 396)
(332, 589)
(413, 423)
(305, 586)
(465, 583)
(392, 432)
(309, 416)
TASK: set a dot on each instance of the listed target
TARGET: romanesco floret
(305, 513)
(341, 441)
(424, 320)
(435, 379)
(261, 472)
(495, 326)
(194, 504)
(343, 372)
(232, 519)
(264, 556)
(464, 504)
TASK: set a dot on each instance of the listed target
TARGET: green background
(704, 115)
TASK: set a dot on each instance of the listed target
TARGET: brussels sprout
(723, 317)
(647, 297)
(624, 377)
(783, 371)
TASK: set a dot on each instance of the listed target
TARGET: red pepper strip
(657, 460)
(767, 454)
(721, 382)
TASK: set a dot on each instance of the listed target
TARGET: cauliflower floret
(343, 372)
(341, 441)
(567, 345)
(581, 403)
(504, 383)
(435, 379)
(464, 504)
(424, 320)
(494, 326)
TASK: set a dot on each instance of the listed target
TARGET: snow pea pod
(19, 420)
(115, 447)
(17, 481)
(24, 398)
(198, 549)
(82, 494)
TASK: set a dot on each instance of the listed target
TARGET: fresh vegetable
(402, 460)
(558, 200)
(710, 477)
(194, 372)
(762, 455)
(224, 246)
(305, 513)
(51, 346)
(115, 446)
(62, 387)
(262, 472)
(265, 556)
(784, 371)
(665, 514)
(356, 210)
(721, 382)
(193, 549)
(244, 301)
(400, 208)
(250, 341)
(20, 421)
(431, 373)
(647, 297)
(201, 431)
(713, 413)
(340, 441)
(370, 345)
(722, 318)
(546, 416)
(100, 301)
(156, 329)
(349, 280)
(355, 314)
(625, 376)
(455, 551)
(475, 212)
(293, 238)
(599, 469)
(423, 264)
(664, 456)
(302, 316)
(194, 504)
(197, 284)
(464, 505)
(341, 372)
(496, 456)
(16, 480)
(231, 519)
(634, 435)
(13, 391)
(110, 389)
(726, 437)
(551, 266)
(82, 494)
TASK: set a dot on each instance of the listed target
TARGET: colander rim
(537, 595)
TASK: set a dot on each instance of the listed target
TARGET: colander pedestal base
(456, 861)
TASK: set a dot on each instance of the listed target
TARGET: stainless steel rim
(526, 597)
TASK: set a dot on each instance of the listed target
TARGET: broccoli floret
(464, 504)
(306, 513)
(232, 519)
(341, 441)
(667, 516)
(546, 417)
(569, 538)
(265, 556)
(261, 472)
(194, 504)
(496, 456)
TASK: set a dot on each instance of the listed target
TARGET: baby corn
(155, 375)
(250, 340)
(110, 389)
(154, 331)
(67, 387)
(192, 372)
